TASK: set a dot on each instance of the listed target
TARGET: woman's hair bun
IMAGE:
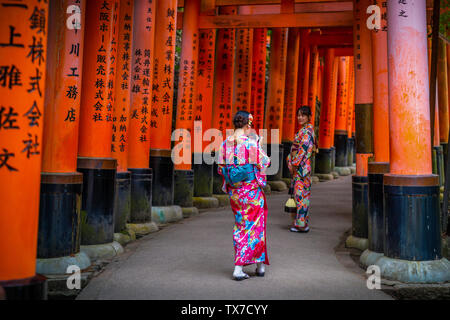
(240, 119)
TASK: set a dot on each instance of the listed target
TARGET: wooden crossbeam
(290, 20)
(208, 7)
(258, 2)
(331, 40)
(301, 7)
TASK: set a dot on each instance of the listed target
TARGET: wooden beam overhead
(301, 7)
(208, 7)
(220, 3)
(331, 40)
(292, 20)
(287, 6)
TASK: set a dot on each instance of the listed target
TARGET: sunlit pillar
(23, 56)
(340, 130)
(412, 248)
(350, 112)
(61, 184)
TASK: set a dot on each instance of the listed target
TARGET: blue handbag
(234, 173)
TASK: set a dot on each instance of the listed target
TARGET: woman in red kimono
(299, 163)
(247, 198)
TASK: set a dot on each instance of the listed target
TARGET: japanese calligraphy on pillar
(23, 50)
(243, 65)
(223, 87)
(98, 79)
(290, 94)
(341, 100)
(258, 77)
(141, 84)
(205, 78)
(119, 144)
(350, 96)
(163, 74)
(275, 94)
(63, 91)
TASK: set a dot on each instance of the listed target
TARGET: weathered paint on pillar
(63, 94)
(277, 75)
(312, 91)
(223, 76)
(96, 100)
(258, 77)
(327, 115)
(188, 78)
(290, 94)
(205, 78)
(141, 84)
(350, 97)
(23, 56)
(163, 74)
(243, 69)
(119, 143)
(443, 92)
(341, 99)
(380, 90)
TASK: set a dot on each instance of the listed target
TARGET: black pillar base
(184, 188)
(34, 288)
(97, 208)
(350, 149)
(286, 150)
(360, 206)
(333, 158)
(376, 211)
(445, 154)
(279, 174)
(163, 184)
(59, 214)
(438, 161)
(324, 161)
(203, 178)
(141, 195)
(341, 144)
(217, 178)
(122, 201)
(411, 206)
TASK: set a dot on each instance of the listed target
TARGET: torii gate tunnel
(111, 112)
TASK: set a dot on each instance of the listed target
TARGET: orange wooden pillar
(340, 130)
(161, 105)
(410, 180)
(121, 118)
(362, 48)
(203, 168)
(258, 77)
(290, 96)
(380, 164)
(223, 87)
(243, 68)
(187, 92)
(312, 90)
(324, 159)
(350, 111)
(442, 85)
(23, 55)
(61, 185)
(94, 147)
(275, 101)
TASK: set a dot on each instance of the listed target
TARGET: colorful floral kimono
(247, 200)
(300, 158)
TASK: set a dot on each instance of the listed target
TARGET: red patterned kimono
(247, 200)
(300, 158)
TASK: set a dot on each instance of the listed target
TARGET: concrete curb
(224, 199)
(335, 175)
(357, 243)
(369, 258)
(58, 266)
(434, 271)
(123, 239)
(324, 176)
(205, 202)
(163, 215)
(102, 251)
(189, 212)
(315, 179)
(277, 185)
(141, 229)
(343, 171)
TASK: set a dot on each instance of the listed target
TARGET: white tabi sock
(260, 267)
(238, 272)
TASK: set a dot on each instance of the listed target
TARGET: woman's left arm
(306, 146)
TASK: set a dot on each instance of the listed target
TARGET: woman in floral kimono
(299, 163)
(247, 198)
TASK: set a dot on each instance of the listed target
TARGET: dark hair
(305, 110)
(240, 119)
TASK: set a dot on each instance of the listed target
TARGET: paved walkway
(193, 259)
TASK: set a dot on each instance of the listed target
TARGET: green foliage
(444, 19)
